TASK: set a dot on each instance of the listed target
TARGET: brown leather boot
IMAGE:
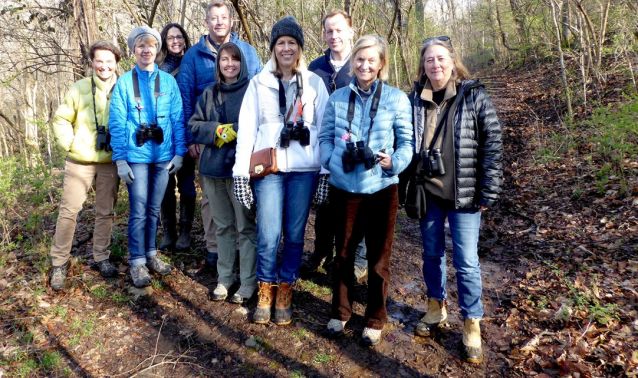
(283, 305)
(266, 297)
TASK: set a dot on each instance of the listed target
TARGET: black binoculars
(355, 153)
(294, 131)
(148, 132)
(432, 163)
(103, 139)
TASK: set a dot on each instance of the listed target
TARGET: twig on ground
(157, 340)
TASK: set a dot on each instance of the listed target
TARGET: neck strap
(93, 91)
(373, 108)
(440, 127)
(282, 98)
(138, 98)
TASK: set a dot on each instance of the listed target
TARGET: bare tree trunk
(566, 19)
(244, 21)
(86, 27)
(496, 43)
(563, 70)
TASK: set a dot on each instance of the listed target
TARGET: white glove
(175, 164)
(243, 192)
(124, 171)
(321, 194)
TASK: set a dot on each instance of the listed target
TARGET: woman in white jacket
(282, 109)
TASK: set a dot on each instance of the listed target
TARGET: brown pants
(78, 179)
(372, 216)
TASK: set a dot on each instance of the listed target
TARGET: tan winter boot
(472, 341)
(435, 318)
(283, 304)
(266, 297)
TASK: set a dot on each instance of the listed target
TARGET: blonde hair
(372, 40)
(459, 71)
(145, 38)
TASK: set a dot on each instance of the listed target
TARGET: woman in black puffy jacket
(457, 176)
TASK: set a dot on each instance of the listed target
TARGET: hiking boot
(158, 266)
(472, 350)
(283, 305)
(58, 276)
(370, 336)
(168, 241)
(266, 297)
(220, 293)
(140, 276)
(186, 216)
(107, 269)
(335, 328)
(309, 267)
(435, 318)
(184, 238)
(361, 274)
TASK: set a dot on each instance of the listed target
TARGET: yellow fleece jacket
(74, 121)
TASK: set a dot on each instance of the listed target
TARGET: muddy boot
(283, 305)
(169, 221)
(266, 297)
(186, 214)
(435, 318)
(58, 276)
(472, 350)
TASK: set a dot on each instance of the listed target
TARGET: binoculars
(356, 153)
(103, 139)
(432, 163)
(148, 132)
(294, 131)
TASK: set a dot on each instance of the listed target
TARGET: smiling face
(366, 66)
(438, 66)
(145, 52)
(338, 35)
(286, 52)
(229, 66)
(104, 64)
(219, 23)
(175, 41)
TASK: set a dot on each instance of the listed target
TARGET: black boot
(186, 215)
(168, 217)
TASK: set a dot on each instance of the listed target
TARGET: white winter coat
(260, 122)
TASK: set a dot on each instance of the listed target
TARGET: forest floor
(558, 256)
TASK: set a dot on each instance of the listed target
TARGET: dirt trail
(178, 331)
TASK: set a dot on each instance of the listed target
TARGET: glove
(242, 191)
(124, 171)
(225, 134)
(321, 194)
(175, 164)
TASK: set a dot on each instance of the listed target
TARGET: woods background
(44, 44)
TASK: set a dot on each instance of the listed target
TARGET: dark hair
(164, 33)
(234, 51)
(105, 45)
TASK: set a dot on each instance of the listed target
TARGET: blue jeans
(145, 198)
(464, 227)
(283, 203)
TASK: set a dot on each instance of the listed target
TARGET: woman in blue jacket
(147, 137)
(366, 141)
(214, 124)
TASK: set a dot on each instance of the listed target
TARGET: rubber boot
(266, 298)
(283, 305)
(472, 350)
(168, 219)
(186, 215)
(435, 318)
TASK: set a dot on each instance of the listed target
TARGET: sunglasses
(442, 38)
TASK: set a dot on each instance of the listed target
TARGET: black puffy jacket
(478, 146)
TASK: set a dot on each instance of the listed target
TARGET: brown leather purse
(263, 162)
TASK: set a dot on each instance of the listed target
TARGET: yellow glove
(225, 134)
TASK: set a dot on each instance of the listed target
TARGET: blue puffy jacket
(392, 131)
(125, 118)
(197, 72)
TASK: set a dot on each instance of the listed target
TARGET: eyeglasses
(442, 38)
(175, 38)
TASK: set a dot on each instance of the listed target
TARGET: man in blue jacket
(197, 72)
(334, 68)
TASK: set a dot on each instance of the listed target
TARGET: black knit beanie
(287, 26)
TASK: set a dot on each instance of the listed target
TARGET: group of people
(340, 136)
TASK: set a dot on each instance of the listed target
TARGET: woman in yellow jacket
(80, 127)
